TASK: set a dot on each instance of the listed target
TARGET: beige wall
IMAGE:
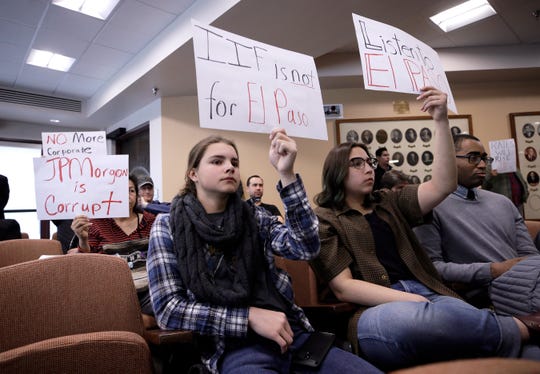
(181, 131)
(488, 103)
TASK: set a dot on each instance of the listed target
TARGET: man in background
(383, 165)
(145, 186)
(255, 189)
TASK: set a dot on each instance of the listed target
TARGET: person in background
(383, 165)
(4, 195)
(212, 271)
(255, 189)
(93, 234)
(394, 180)
(512, 185)
(475, 236)
(370, 257)
(9, 228)
(146, 192)
(64, 234)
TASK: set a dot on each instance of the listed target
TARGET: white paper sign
(69, 144)
(244, 85)
(504, 154)
(393, 60)
(95, 186)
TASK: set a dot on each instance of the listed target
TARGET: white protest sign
(244, 85)
(504, 155)
(81, 143)
(393, 60)
(96, 186)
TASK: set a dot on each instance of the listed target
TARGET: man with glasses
(475, 236)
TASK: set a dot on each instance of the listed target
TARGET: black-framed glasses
(475, 158)
(360, 163)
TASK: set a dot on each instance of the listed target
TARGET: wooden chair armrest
(339, 307)
(154, 335)
(149, 322)
(160, 337)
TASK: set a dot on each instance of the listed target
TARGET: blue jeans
(402, 334)
(263, 356)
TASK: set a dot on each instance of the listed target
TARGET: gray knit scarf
(192, 231)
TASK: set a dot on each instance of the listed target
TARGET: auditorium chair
(20, 250)
(71, 314)
(533, 227)
(324, 316)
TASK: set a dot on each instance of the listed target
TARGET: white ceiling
(146, 44)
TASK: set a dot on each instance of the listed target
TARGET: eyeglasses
(360, 163)
(475, 158)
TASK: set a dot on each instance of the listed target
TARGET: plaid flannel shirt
(176, 307)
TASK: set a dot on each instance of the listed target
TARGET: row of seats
(80, 283)
(71, 314)
(81, 314)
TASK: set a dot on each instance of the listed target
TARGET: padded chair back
(66, 295)
(21, 250)
(533, 227)
(303, 280)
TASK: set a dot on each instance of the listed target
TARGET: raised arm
(297, 237)
(282, 155)
(444, 176)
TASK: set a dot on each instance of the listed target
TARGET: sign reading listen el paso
(393, 60)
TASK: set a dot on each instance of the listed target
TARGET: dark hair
(253, 176)
(393, 178)
(137, 208)
(459, 138)
(195, 156)
(335, 170)
(379, 151)
(4, 194)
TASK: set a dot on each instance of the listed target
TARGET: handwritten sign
(96, 186)
(244, 85)
(69, 144)
(504, 154)
(393, 60)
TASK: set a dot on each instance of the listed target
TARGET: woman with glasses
(370, 257)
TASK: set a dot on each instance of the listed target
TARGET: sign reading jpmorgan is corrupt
(79, 178)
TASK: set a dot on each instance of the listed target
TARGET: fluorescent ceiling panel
(94, 8)
(463, 14)
(49, 60)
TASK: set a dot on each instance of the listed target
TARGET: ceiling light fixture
(463, 14)
(94, 8)
(54, 120)
(46, 59)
